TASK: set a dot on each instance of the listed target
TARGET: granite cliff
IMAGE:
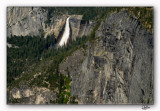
(31, 21)
(116, 67)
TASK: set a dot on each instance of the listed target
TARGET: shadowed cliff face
(80, 27)
(118, 66)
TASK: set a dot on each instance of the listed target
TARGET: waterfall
(65, 36)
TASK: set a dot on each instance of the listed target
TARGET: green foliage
(148, 101)
(49, 14)
(15, 101)
(92, 35)
(89, 13)
(144, 14)
(36, 55)
(28, 52)
(48, 66)
(65, 92)
(93, 13)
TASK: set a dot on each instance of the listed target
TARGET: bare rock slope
(31, 21)
(118, 66)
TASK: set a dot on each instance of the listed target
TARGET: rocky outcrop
(25, 21)
(75, 25)
(86, 28)
(56, 26)
(115, 68)
(80, 27)
(118, 66)
(70, 65)
(31, 21)
(26, 95)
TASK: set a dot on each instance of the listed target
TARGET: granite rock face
(86, 28)
(118, 66)
(26, 95)
(115, 68)
(25, 21)
(31, 21)
(80, 27)
(28, 21)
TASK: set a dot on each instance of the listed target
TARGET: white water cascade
(65, 36)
